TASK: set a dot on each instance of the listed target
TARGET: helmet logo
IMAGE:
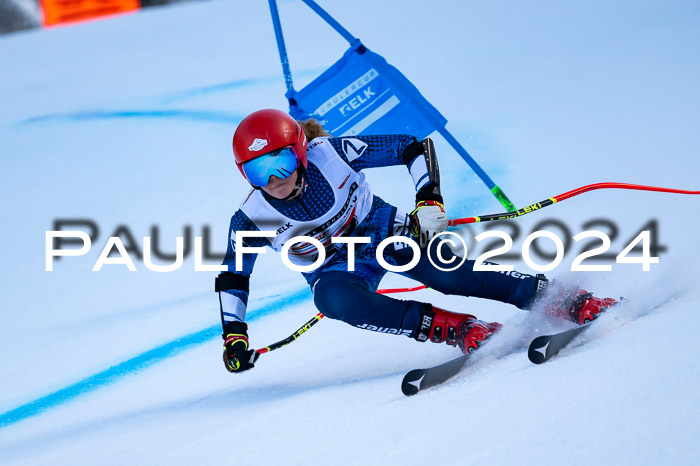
(257, 145)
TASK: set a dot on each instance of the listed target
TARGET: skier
(306, 183)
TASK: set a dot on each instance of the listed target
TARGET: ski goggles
(280, 163)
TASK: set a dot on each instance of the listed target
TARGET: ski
(420, 379)
(544, 347)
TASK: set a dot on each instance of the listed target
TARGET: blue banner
(362, 94)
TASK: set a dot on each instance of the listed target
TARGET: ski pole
(545, 203)
(290, 338)
(561, 197)
(313, 322)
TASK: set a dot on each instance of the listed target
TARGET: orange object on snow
(68, 11)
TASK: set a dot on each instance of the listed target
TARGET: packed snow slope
(127, 122)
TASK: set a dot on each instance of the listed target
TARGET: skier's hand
(428, 220)
(237, 356)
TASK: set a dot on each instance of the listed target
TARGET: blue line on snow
(195, 115)
(137, 364)
(246, 82)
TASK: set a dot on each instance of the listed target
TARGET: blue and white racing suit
(337, 201)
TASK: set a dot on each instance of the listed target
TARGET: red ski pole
(561, 197)
(540, 205)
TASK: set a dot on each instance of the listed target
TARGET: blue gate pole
(355, 42)
(332, 22)
(495, 189)
(282, 51)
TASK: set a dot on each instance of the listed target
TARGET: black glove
(237, 356)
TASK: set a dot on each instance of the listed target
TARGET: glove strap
(415, 225)
(427, 203)
(232, 339)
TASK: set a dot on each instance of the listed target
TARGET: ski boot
(462, 330)
(574, 304)
(586, 307)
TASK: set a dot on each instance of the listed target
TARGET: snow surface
(128, 121)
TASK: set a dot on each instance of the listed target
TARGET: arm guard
(232, 304)
(430, 190)
(231, 281)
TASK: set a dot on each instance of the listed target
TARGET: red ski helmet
(266, 131)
